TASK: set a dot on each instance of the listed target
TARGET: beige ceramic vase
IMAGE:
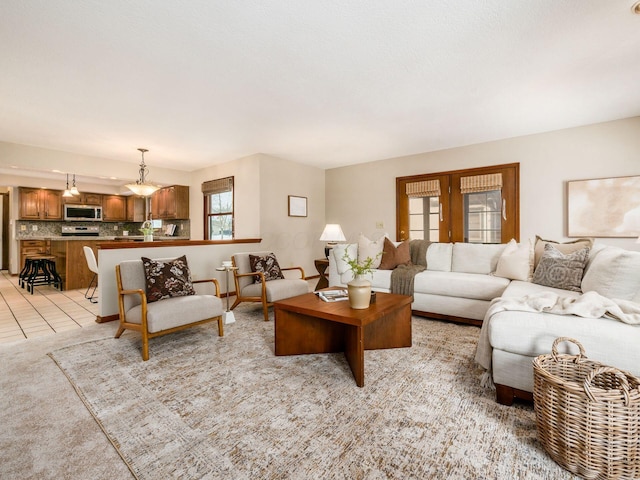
(359, 293)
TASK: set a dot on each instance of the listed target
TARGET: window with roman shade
(478, 205)
(218, 208)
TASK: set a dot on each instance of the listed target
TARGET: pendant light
(141, 187)
(74, 189)
(67, 192)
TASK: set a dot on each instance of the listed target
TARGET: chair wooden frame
(263, 297)
(142, 327)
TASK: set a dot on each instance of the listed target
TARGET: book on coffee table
(333, 295)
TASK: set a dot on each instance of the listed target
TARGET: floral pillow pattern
(167, 278)
(266, 264)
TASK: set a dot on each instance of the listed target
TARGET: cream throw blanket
(587, 305)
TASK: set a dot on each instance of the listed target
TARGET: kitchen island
(69, 254)
(203, 257)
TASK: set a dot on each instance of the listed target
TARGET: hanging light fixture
(67, 192)
(141, 187)
(74, 189)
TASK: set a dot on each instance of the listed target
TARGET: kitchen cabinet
(33, 247)
(85, 198)
(135, 209)
(114, 208)
(39, 204)
(171, 203)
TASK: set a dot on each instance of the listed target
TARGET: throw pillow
(613, 273)
(558, 270)
(266, 264)
(370, 249)
(516, 262)
(393, 256)
(566, 247)
(167, 278)
(338, 253)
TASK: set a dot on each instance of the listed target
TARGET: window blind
(481, 183)
(425, 188)
(220, 185)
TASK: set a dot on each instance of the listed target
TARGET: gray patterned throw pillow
(558, 270)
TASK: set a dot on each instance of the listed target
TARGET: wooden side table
(321, 266)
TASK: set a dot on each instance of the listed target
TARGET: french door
(479, 205)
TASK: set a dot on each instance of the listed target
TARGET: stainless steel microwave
(82, 213)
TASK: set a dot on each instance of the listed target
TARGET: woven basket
(587, 414)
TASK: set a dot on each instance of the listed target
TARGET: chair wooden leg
(236, 303)
(120, 331)
(265, 309)
(220, 327)
(145, 346)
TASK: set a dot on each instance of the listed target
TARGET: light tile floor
(46, 312)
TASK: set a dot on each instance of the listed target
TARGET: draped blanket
(402, 276)
(587, 305)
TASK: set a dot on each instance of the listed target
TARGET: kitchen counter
(121, 238)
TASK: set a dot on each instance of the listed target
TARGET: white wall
(262, 184)
(361, 195)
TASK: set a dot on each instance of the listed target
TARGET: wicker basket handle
(624, 383)
(554, 349)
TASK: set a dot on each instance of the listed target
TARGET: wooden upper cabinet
(135, 209)
(40, 204)
(114, 208)
(85, 198)
(171, 203)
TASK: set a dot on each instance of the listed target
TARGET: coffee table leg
(354, 351)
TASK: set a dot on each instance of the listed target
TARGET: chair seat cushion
(278, 289)
(176, 311)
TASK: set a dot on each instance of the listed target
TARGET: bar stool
(41, 271)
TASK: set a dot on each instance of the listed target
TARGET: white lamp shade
(332, 233)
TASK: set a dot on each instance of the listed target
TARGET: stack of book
(333, 295)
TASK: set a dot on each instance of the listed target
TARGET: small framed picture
(297, 206)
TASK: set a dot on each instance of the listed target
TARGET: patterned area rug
(210, 407)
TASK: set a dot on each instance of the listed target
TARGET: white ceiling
(327, 83)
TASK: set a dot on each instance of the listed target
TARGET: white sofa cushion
(458, 284)
(370, 249)
(516, 261)
(439, 257)
(476, 257)
(338, 252)
(614, 273)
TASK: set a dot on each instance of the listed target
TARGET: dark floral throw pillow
(167, 278)
(266, 264)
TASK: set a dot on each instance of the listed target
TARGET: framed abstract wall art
(297, 206)
(604, 207)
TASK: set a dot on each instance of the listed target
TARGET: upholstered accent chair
(166, 315)
(254, 286)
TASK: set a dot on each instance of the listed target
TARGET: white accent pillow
(370, 249)
(439, 257)
(338, 252)
(516, 261)
(476, 257)
(614, 273)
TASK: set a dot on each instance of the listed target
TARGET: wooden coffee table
(307, 324)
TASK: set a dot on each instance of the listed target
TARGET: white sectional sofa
(490, 285)
(457, 284)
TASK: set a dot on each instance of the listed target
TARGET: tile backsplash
(26, 229)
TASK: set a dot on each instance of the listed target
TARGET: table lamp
(332, 234)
